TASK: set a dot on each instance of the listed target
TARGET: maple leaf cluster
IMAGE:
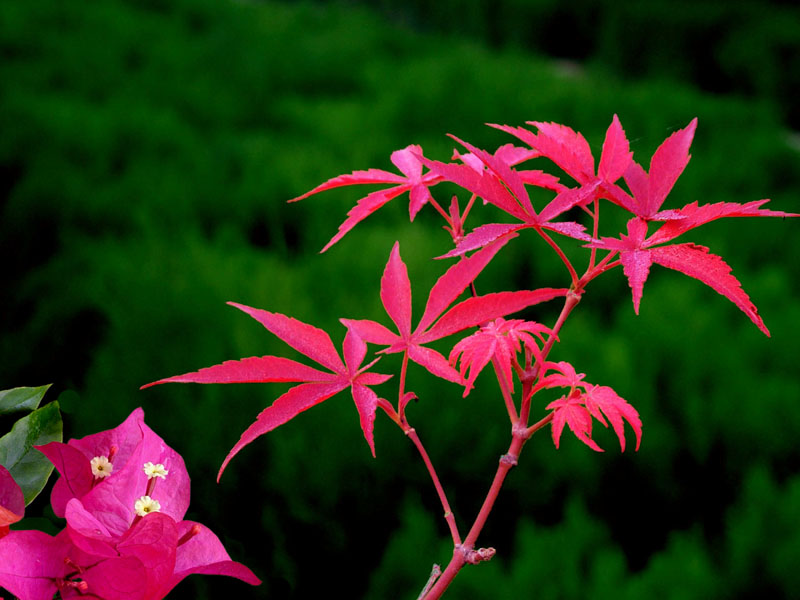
(584, 401)
(517, 349)
(123, 493)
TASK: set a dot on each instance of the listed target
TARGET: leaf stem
(604, 265)
(572, 273)
(469, 207)
(448, 514)
(570, 302)
(595, 230)
(501, 380)
(537, 426)
(598, 269)
(441, 211)
(402, 388)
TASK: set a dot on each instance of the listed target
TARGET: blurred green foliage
(749, 47)
(146, 155)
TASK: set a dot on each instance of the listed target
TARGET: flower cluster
(123, 493)
(584, 401)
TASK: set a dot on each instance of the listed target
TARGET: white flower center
(152, 470)
(101, 467)
(146, 505)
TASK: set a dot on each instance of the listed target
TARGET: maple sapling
(518, 350)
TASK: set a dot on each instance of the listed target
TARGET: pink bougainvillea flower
(85, 463)
(153, 470)
(317, 387)
(32, 565)
(124, 538)
(147, 562)
(412, 181)
(150, 558)
(200, 552)
(584, 401)
(154, 556)
(396, 298)
(12, 501)
(499, 340)
(142, 563)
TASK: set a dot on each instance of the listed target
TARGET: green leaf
(29, 467)
(21, 399)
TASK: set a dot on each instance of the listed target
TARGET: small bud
(101, 467)
(193, 531)
(474, 557)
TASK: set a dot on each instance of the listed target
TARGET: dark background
(146, 154)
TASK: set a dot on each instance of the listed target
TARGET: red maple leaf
(602, 400)
(564, 376)
(498, 340)
(412, 181)
(504, 187)
(584, 401)
(570, 150)
(396, 299)
(512, 155)
(651, 189)
(569, 410)
(317, 387)
(638, 252)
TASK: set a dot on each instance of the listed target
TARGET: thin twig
(448, 514)
(435, 573)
